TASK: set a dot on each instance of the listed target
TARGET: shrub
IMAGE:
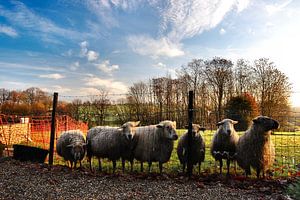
(243, 109)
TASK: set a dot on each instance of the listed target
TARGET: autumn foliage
(243, 109)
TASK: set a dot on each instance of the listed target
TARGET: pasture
(287, 148)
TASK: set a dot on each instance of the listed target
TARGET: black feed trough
(29, 153)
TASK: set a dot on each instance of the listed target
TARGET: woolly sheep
(154, 143)
(112, 143)
(197, 147)
(71, 146)
(224, 142)
(255, 148)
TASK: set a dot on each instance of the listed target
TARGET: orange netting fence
(35, 130)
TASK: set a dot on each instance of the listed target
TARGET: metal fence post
(190, 127)
(52, 135)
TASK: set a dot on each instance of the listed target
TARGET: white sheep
(112, 143)
(255, 148)
(71, 146)
(154, 143)
(224, 142)
(197, 147)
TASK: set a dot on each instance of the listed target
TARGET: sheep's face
(196, 128)
(266, 123)
(129, 129)
(169, 129)
(77, 150)
(226, 126)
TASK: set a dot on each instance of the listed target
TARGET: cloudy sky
(75, 47)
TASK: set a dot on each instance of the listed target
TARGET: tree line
(215, 83)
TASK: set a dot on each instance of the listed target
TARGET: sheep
(112, 143)
(197, 147)
(71, 146)
(224, 142)
(154, 143)
(255, 148)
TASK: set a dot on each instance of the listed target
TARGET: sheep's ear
(159, 126)
(202, 129)
(234, 122)
(174, 123)
(198, 127)
(219, 123)
(137, 123)
(255, 120)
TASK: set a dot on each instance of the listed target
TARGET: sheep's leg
(199, 167)
(234, 167)
(142, 167)
(257, 172)
(131, 166)
(247, 171)
(80, 164)
(90, 161)
(71, 164)
(149, 167)
(75, 164)
(228, 166)
(160, 167)
(123, 165)
(221, 165)
(99, 163)
(183, 167)
(114, 166)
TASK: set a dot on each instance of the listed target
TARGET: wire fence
(35, 130)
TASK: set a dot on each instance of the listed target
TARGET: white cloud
(83, 48)
(182, 19)
(89, 54)
(222, 31)
(56, 88)
(8, 65)
(92, 55)
(52, 76)
(108, 84)
(74, 66)
(8, 31)
(274, 8)
(145, 45)
(185, 19)
(24, 17)
(160, 65)
(106, 67)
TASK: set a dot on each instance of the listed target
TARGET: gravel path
(37, 181)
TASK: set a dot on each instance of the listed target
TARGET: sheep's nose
(228, 132)
(175, 137)
(129, 137)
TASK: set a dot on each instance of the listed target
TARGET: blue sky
(76, 47)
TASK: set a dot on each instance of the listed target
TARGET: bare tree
(218, 73)
(101, 104)
(273, 88)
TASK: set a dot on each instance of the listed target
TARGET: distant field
(287, 147)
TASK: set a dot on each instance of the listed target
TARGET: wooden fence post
(190, 127)
(52, 134)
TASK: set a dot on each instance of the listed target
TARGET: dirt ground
(39, 181)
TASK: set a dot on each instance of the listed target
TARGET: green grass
(287, 148)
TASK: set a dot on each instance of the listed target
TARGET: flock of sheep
(154, 143)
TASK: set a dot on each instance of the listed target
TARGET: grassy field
(287, 148)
